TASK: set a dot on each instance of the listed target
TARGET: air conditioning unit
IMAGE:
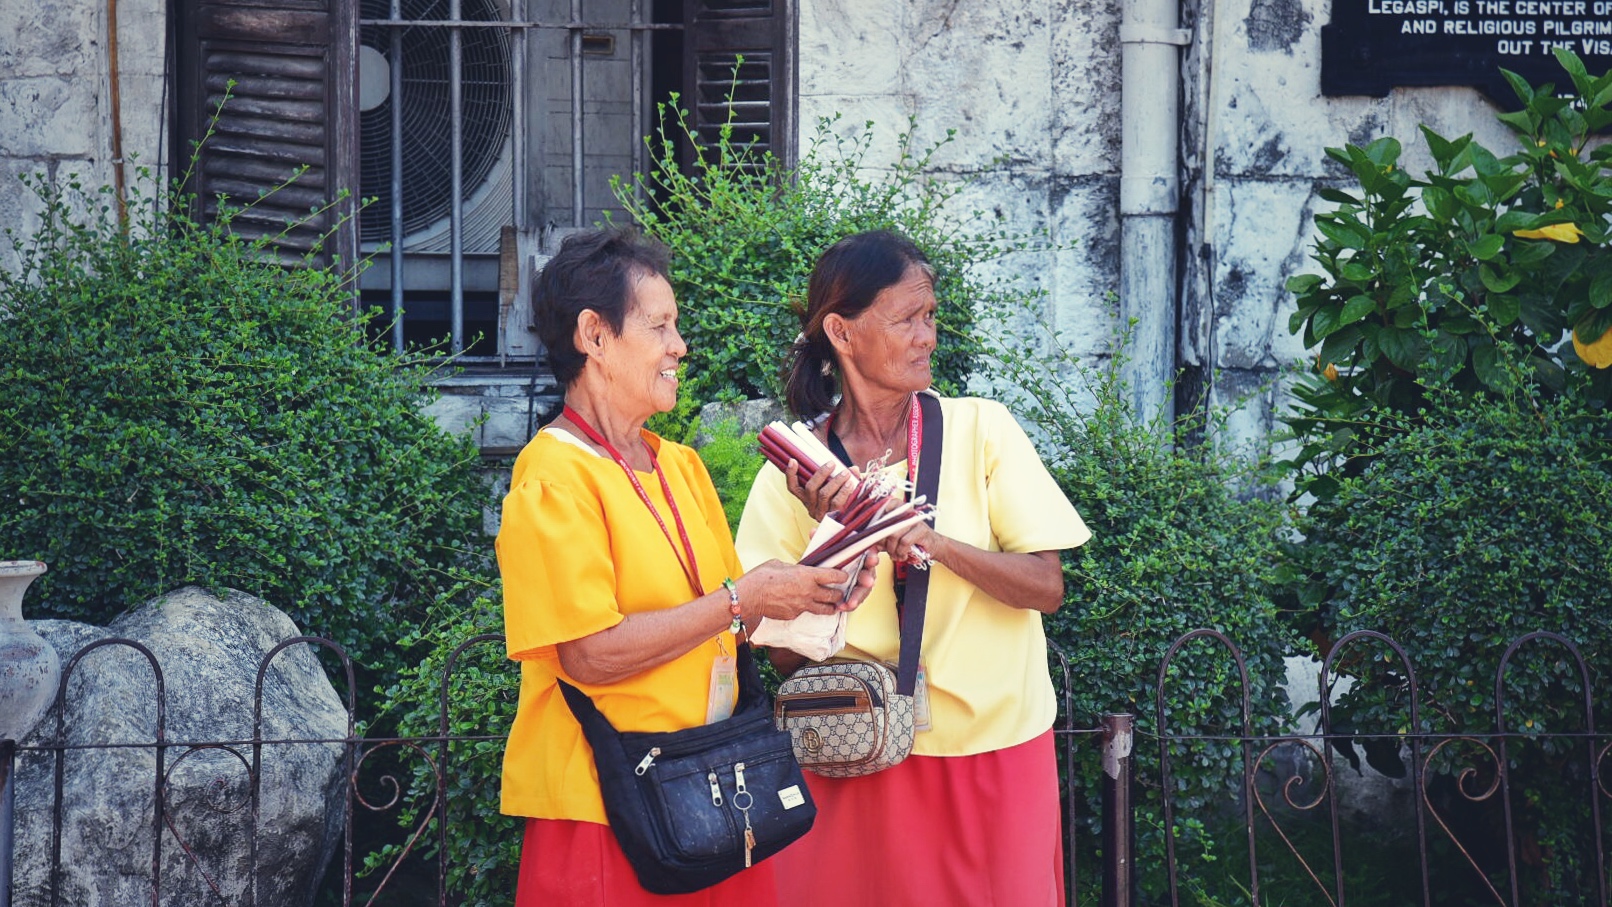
(486, 91)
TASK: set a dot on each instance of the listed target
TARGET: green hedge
(1456, 446)
(1185, 536)
(179, 408)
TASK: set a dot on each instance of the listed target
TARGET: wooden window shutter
(294, 65)
(717, 33)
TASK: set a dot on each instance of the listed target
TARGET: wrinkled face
(640, 365)
(891, 342)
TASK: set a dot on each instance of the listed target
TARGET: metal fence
(1154, 814)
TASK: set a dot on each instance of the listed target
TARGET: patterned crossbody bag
(850, 718)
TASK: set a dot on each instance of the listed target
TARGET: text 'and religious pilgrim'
(1372, 46)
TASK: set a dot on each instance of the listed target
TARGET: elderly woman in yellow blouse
(972, 816)
(614, 552)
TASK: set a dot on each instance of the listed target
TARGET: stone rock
(751, 416)
(208, 651)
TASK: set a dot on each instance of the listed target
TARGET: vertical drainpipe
(1150, 40)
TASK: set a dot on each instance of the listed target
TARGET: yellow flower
(1560, 203)
(1568, 233)
(1597, 354)
(1331, 371)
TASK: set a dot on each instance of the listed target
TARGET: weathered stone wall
(1036, 84)
(1032, 88)
(1255, 132)
(56, 96)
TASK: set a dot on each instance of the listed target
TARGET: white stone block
(49, 116)
(1085, 89)
(1450, 112)
(40, 40)
(455, 413)
(20, 209)
(508, 426)
(888, 113)
(984, 70)
(1263, 234)
(142, 38)
(850, 47)
(1085, 226)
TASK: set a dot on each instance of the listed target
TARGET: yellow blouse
(986, 663)
(579, 551)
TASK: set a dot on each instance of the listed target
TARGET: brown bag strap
(915, 596)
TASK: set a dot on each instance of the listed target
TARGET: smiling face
(640, 364)
(888, 347)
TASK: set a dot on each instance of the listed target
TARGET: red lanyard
(690, 569)
(915, 438)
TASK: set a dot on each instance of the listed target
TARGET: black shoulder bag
(692, 807)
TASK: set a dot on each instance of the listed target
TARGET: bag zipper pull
(742, 802)
(716, 790)
(649, 759)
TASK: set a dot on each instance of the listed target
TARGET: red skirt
(580, 864)
(954, 831)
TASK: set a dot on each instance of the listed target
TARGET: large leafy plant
(1455, 444)
(1437, 280)
(178, 407)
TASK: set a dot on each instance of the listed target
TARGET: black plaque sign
(1373, 45)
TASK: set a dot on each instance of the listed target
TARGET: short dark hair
(845, 281)
(594, 269)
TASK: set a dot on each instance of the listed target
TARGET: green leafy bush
(1436, 280)
(733, 459)
(179, 408)
(745, 231)
(472, 701)
(1456, 448)
(1480, 524)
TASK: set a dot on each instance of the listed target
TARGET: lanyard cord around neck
(691, 569)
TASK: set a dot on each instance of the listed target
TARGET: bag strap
(915, 597)
(751, 695)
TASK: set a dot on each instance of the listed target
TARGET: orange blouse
(578, 552)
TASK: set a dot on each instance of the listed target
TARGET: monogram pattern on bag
(845, 719)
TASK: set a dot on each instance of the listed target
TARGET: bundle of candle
(841, 538)
(863, 520)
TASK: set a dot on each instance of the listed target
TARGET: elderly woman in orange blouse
(620, 575)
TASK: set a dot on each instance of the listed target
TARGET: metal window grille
(445, 112)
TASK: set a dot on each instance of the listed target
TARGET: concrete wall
(1256, 127)
(1032, 88)
(56, 106)
(1037, 83)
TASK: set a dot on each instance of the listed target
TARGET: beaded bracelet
(737, 626)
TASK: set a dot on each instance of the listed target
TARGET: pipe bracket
(1139, 33)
